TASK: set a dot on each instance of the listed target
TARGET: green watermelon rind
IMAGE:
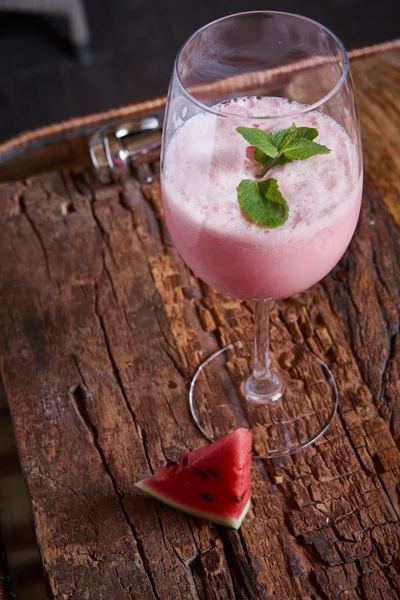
(207, 516)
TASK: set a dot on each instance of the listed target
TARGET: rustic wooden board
(101, 327)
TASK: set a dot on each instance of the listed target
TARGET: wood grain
(101, 327)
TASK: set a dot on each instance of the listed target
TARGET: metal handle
(118, 145)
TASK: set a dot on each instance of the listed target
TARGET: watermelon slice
(213, 483)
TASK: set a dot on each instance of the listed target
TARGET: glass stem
(262, 355)
(263, 385)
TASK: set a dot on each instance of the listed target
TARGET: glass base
(291, 414)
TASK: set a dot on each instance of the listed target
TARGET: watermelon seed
(236, 499)
(207, 497)
(200, 472)
(185, 461)
(213, 473)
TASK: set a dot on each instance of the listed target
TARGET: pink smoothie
(204, 162)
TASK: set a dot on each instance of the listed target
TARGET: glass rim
(307, 108)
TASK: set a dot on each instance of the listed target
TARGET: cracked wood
(101, 327)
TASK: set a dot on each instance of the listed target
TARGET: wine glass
(262, 71)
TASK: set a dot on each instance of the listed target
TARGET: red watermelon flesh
(212, 483)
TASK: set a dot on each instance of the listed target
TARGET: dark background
(133, 46)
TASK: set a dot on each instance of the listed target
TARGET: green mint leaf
(277, 136)
(303, 148)
(276, 203)
(258, 138)
(289, 138)
(310, 133)
(297, 144)
(263, 202)
(294, 132)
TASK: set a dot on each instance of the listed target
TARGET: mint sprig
(262, 201)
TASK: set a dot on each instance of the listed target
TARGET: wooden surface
(101, 327)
